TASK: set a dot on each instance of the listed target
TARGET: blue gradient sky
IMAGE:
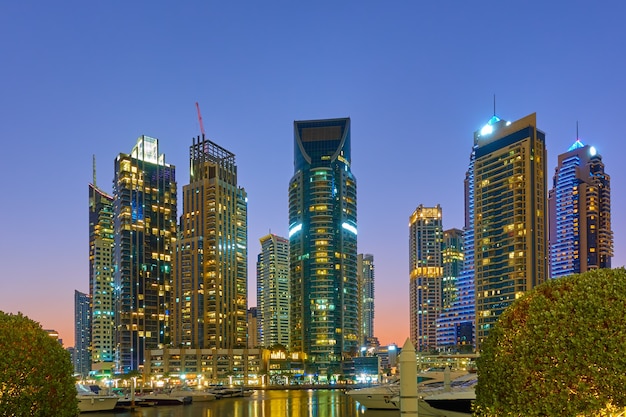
(417, 79)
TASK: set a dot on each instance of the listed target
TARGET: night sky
(416, 78)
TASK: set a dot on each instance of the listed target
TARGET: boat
(221, 391)
(91, 401)
(195, 394)
(379, 397)
(165, 398)
(454, 400)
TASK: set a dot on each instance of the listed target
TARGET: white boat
(165, 398)
(195, 394)
(227, 392)
(453, 401)
(90, 401)
(379, 397)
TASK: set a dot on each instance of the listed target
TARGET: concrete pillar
(408, 380)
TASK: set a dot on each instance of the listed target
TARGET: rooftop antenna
(494, 104)
(200, 120)
(577, 137)
(94, 169)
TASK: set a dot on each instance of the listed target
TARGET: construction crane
(200, 119)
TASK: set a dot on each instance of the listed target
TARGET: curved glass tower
(323, 243)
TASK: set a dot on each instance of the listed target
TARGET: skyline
(416, 81)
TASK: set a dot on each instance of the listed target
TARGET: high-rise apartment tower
(426, 275)
(365, 271)
(144, 207)
(580, 213)
(101, 267)
(510, 218)
(82, 334)
(210, 288)
(273, 298)
(323, 243)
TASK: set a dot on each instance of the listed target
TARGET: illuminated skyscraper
(273, 298)
(580, 213)
(365, 271)
(323, 243)
(426, 269)
(144, 207)
(452, 255)
(510, 232)
(210, 289)
(101, 289)
(82, 334)
(455, 326)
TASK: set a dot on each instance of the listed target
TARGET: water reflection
(293, 403)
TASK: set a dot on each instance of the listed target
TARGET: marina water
(269, 403)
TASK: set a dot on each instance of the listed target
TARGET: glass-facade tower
(211, 279)
(144, 207)
(580, 213)
(510, 223)
(82, 336)
(273, 291)
(455, 326)
(323, 243)
(426, 275)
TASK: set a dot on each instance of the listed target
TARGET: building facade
(82, 334)
(510, 223)
(365, 271)
(210, 287)
(144, 207)
(455, 326)
(580, 213)
(273, 291)
(323, 244)
(426, 275)
(101, 267)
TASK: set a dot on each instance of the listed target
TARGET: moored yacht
(91, 401)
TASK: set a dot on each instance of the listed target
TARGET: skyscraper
(510, 216)
(210, 289)
(323, 243)
(82, 334)
(426, 275)
(580, 213)
(455, 326)
(365, 271)
(273, 291)
(452, 258)
(101, 289)
(144, 207)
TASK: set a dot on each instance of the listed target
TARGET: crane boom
(200, 119)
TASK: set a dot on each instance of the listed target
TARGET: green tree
(35, 371)
(560, 350)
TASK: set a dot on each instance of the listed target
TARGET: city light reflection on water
(274, 403)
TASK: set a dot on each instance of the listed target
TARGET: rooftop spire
(94, 169)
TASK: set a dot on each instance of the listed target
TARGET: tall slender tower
(365, 271)
(144, 207)
(510, 230)
(273, 291)
(101, 289)
(426, 271)
(210, 289)
(82, 336)
(580, 213)
(323, 243)
(455, 326)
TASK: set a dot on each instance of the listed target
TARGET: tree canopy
(560, 350)
(35, 371)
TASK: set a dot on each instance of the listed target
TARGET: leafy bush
(35, 371)
(560, 350)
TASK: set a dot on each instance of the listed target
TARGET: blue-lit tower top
(579, 203)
